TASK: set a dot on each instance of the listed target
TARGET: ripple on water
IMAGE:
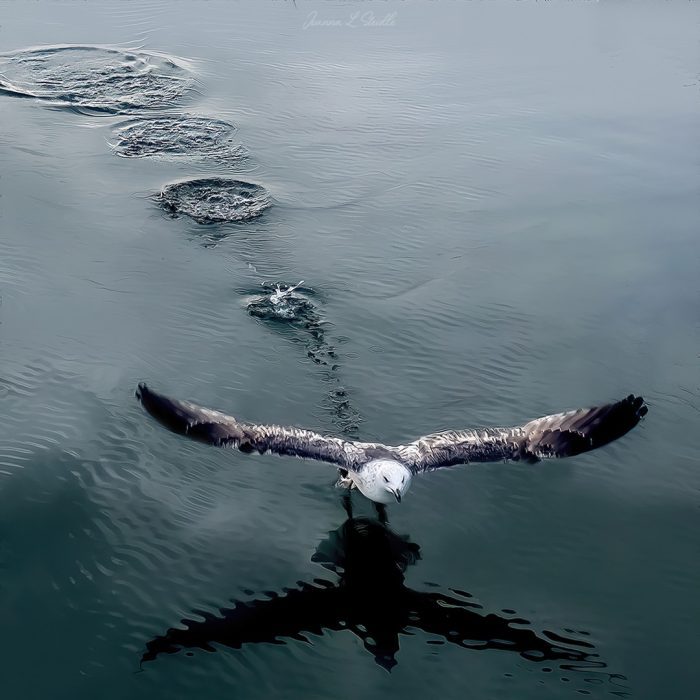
(94, 77)
(215, 199)
(177, 135)
(289, 305)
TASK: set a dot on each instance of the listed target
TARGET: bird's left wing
(222, 430)
(558, 435)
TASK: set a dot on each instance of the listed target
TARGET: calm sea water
(494, 209)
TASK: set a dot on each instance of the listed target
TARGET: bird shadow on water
(370, 599)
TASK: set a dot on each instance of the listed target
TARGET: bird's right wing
(558, 435)
(222, 430)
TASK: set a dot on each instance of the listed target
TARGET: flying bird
(383, 473)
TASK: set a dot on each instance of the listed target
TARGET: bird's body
(383, 473)
(382, 480)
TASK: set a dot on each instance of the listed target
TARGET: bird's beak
(398, 496)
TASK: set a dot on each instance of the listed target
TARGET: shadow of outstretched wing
(371, 601)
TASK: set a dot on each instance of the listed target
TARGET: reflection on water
(370, 600)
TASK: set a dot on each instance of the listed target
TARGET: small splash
(281, 303)
(95, 78)
(279, 295)
(215, 200)
(177, 135)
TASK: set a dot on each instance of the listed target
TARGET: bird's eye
(385, 480)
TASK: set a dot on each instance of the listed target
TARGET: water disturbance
(177, 135)
(95, 78)
(215, 200)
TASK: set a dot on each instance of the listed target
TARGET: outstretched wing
(221, 430)
(558, 435)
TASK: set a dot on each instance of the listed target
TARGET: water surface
(494, 209)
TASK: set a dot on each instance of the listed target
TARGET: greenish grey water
(496, 206)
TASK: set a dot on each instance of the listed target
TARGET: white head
(384, 480)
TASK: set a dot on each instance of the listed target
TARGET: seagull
(383, 473)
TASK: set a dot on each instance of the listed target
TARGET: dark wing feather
(558, 435)
(221, 430)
